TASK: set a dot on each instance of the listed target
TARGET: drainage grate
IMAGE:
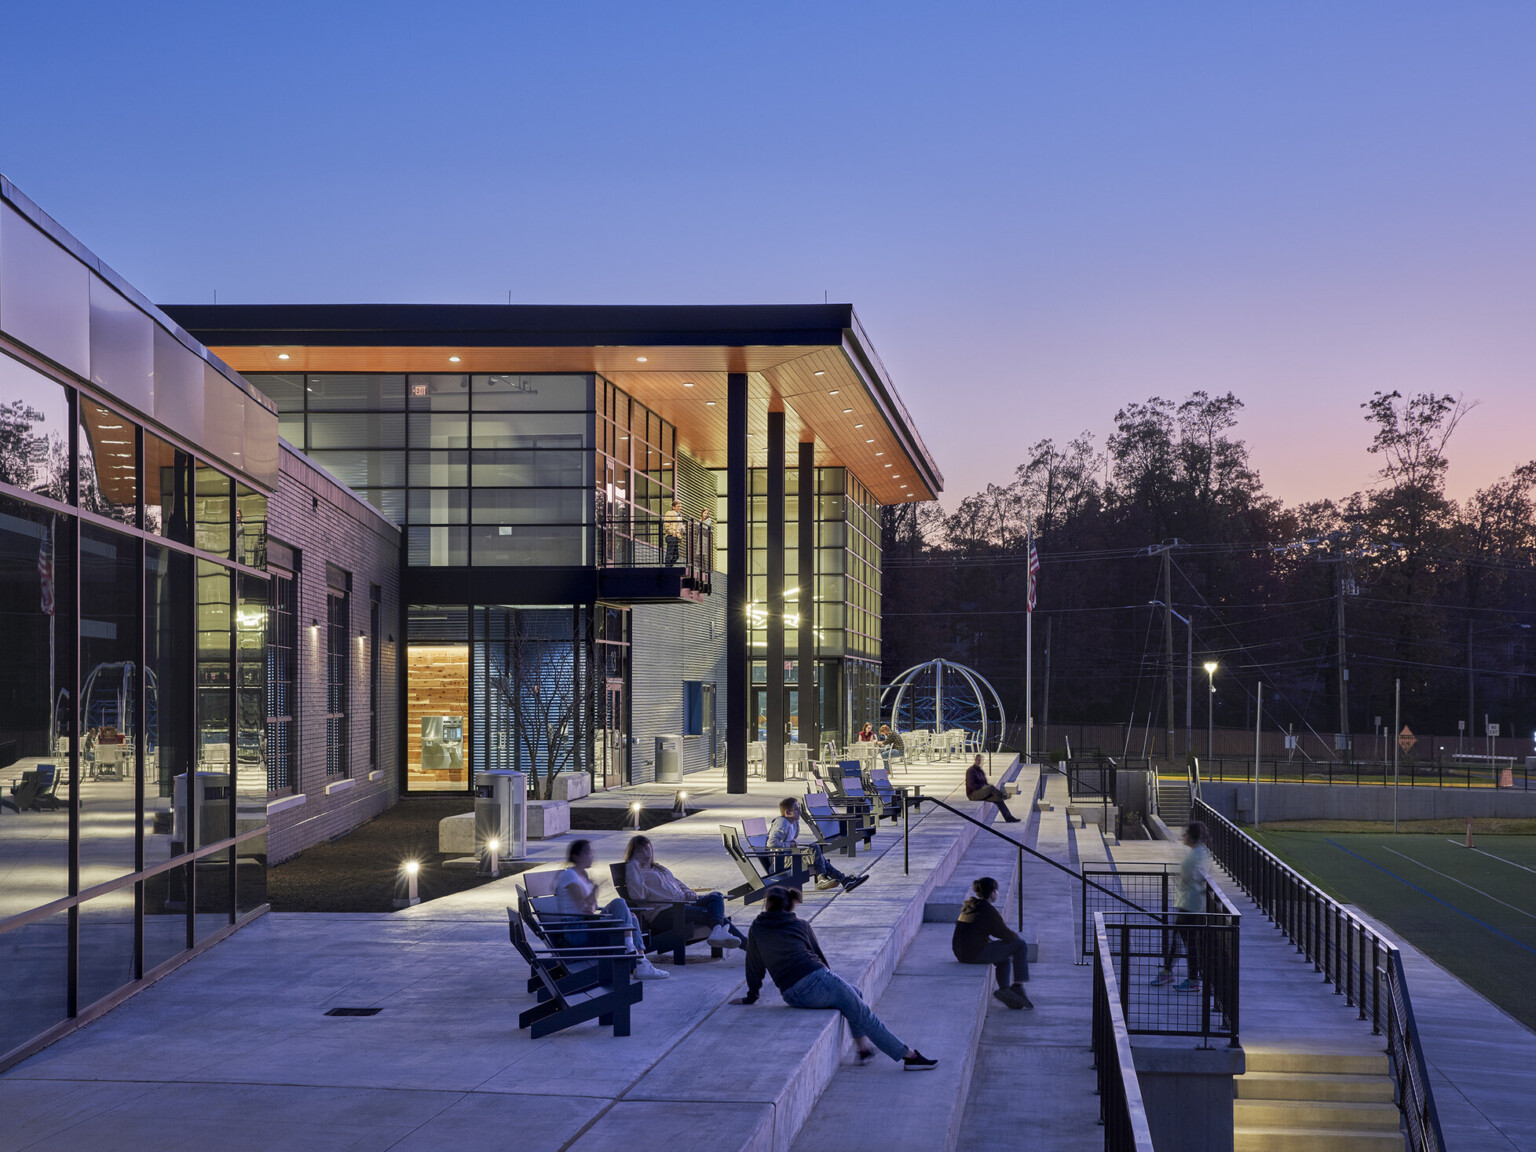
(354, 1011)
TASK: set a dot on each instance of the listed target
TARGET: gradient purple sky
(1041, 211)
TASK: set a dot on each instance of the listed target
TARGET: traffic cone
(1469, 843)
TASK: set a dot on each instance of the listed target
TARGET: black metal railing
(1121, 1110)
(1148, 886)
(1362, 966)
(1441, 771)
(629, 537)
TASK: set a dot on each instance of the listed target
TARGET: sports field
(1471, 910)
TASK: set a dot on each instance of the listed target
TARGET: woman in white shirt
(576, 894)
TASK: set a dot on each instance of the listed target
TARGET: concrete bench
(546, 818)
(570, 786)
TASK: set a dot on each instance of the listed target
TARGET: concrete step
(1261, 1059)
(1270, 1139)
(1313, 1086)
(1315, 1114)
(939, 1007)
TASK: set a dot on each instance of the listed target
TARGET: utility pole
(1045, 708)
(1471, 684)
(1343, 663)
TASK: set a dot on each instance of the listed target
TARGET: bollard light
(490, 859)
(405, 885)
(633, 823)
(680, 804)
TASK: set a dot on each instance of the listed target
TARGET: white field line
(1491, 856)
(1463, 883)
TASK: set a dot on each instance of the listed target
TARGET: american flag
(1034, 570)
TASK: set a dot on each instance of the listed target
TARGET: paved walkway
(233, 1051)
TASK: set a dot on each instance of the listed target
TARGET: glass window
(446, 393)
(251, 701)
(122, 347)
(282, 684)
(506, 546)
(390, 501)
(34, 430)
(363, 469)
(106, 942)
(439, 505)
(521, 392)
(214, 506)
(337, 684)
(283, 389)
(437, 711)
(109, 465)
(437, 547)
(439, 430)
(375, 676)
(109, 688)
(530, 429)
(45, 944)
(36, 679)
(203, 809)
(290, 427)
(169, 597)
(250, 527)
(44, 294)
(531, 469)
(439, 469)
(338, 392)
(356, 430)
(529, 505)
(167, 490)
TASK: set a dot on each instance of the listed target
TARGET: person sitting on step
(785, 946)
(649, 882)
(784, 835)
(981, 937)
(977, 788)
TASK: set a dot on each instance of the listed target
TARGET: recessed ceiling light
(847, 411)
(709, 403)
(887, 465)
(897, 476)
(869, 441)
(881, 454)
(860, 426)
(821, 372)
(641, 360)
(832, 392)
(687, 383)
(282, 355)
(453, 359)
(903, 485)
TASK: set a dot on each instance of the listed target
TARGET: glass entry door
(615, 741)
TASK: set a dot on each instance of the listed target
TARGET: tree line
(1408, 582)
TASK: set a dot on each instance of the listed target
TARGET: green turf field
(1472, 911)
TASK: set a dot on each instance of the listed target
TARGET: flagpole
(1029, 651)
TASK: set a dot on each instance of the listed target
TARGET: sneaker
(854, 881)
(825, 883)
(1163, 977)
(1009, 997)
(721, 938)
(917, 1062)
(865, 1056)
(1018, 990)
(645, 970)
(1187, 986)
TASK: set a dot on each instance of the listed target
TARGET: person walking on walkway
(785, 946)
(1190, 903)
(977, 788)
(672, 529)
(981, 937)
(784, 836)
(576, 895)
(648, 882)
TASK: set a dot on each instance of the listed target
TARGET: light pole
(1210, 707)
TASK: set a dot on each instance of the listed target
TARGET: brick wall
(327, 522)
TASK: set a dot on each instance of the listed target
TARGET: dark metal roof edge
(895, 412)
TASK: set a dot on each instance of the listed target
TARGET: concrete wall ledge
(1188, 1091)
(340, 786)
(286, 802)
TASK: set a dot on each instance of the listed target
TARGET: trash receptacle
(501, 812)
(669, 759)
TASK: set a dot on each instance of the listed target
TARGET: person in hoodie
(981, 937)
(784, 946)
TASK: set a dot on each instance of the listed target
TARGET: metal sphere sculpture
(942, 695)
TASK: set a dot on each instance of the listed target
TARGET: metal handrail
(1121, 1109)
(1023, 848)
(1362, 965)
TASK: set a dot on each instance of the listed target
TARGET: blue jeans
(615, 909)
(824, 988)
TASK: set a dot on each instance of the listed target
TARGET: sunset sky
(1041, 210)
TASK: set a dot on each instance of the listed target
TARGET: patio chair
(602, 991)
(666, 921)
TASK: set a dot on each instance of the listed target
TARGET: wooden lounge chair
(834, 830)
(892, 800)
(603, 991)
(762, 869)
(665, 921)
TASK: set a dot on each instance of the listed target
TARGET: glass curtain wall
(129, 775)
(637, 479)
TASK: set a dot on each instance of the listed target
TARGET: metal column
(810, 703)
(773, 767)
(738, 686)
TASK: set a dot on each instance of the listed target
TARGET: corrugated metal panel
(695, 487)
(673, 643)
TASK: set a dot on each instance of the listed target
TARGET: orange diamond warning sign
(1406, 739)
